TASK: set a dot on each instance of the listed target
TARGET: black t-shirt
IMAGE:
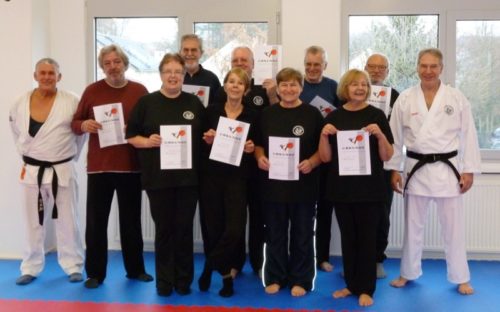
(151, 112)
(212, 167)
(256, 98)
(360, 188)
(304, 122)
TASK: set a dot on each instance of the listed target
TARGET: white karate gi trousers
(70, 253)
(450, 212)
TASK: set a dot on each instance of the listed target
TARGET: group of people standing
(433, 121)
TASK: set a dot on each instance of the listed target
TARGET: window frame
(446, 37)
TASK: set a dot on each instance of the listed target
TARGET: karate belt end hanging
(42, 165)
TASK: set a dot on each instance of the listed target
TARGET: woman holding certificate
(287, 148)
(167, 127)
(356, 140)
(225, 170)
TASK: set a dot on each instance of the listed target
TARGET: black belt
(429, 159)
(41, 170)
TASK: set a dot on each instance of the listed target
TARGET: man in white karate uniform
(434, 122)
(40, 122)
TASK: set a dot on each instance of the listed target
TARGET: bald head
(377, 67)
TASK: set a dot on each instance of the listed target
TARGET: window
(144, 40)
(478, 73)
(219, 39)
(399, 37)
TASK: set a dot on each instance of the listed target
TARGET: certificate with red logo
(229, 141)
(322, 105)
(284, 155)
(202, 92)
(175, 148)
(354, 153)
(381, 98)
(110, 116)
(268, 60)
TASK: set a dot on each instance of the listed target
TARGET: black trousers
(289, 263)
(172, 210)
(256, 235)
(100, 190)
(324, 210)
(223, 203)
(358, 224)
(385, 221)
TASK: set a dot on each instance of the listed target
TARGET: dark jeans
(100, 190)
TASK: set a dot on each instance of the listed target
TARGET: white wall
(29, 30)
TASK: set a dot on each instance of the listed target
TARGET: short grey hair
(193, 37)
(48, 60)
(112, 48)
(317, 50)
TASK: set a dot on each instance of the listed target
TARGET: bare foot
(272, 289)
(234, 272)
(298, 291)
(399, 282)
(326, 266)
(465, 289)
(365, 300)
(344, 292)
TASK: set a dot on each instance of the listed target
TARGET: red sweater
(117, 158)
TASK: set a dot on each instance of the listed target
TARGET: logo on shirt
(298, 130)
(258, 100)
(287, 147)
(448, 109)
(188, 115)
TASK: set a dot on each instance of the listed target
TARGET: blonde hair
(347, 79)
(240, 73)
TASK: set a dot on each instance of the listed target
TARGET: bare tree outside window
(219, 39)
(478, 75)
(400, 37)
(145, 40)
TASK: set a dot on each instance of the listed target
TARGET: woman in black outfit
(358, 199)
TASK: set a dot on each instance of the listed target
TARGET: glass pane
(219, 40)
(144, 40)
(478, 74)
(400, 37)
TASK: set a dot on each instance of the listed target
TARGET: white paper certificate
(354, 153)
(110, 116)
(229, 142)
(324, 107)
(381, 98)
(175, 149)
(284, 155)
(202, 92)
(268, 62)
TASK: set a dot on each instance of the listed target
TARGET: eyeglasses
(172, 73)
(379, 67)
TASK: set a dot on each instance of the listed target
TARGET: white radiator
(482, 220)
(482, 213)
